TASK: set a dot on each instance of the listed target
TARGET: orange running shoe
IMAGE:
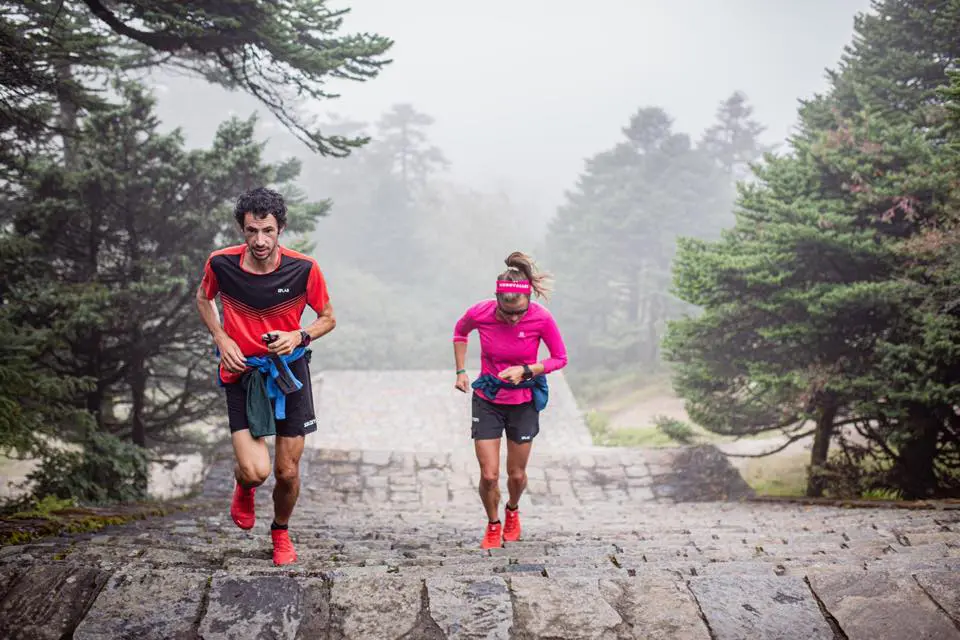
(511, 525)
(493, 537)
(242, 507)
(283, 551)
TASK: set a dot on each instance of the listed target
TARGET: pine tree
(814, 308)
(35, 403)
(123, 238)
(282, 53)
(734, 141)
(613, 241)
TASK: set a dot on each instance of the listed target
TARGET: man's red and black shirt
(255, 303)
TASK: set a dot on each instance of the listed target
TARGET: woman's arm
(460, 332)
(558, 351)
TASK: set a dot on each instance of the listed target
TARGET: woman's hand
(513, 375)
(463, 382)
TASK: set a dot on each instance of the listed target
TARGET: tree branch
(790, 441)
(158, 41)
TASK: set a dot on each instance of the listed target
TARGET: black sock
(494, 522)
(278, 527)
(509, 508)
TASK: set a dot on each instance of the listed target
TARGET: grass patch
(778, 475)
(598, 423)
(51, 517)
(614, 391)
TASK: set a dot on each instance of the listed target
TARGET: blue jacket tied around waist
(266, 401)
(267, 366)
(490, 385)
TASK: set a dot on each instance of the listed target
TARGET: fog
(522, 92)
(522, 96)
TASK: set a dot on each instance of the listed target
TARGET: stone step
(388, 545)
(371, 602)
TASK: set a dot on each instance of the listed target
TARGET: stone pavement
(420, 411)
(617, 544)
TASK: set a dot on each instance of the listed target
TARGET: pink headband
(509, 286)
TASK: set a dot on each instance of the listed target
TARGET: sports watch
(527, 373)
(304, 338)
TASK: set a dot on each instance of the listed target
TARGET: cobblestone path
(617, 544)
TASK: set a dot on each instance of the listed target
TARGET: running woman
(264, 289)
(511, 389)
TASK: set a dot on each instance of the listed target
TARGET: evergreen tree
(816, 309)
(613, 241)
(734, 141)
(121, 239)
(35, 403)
(279, 52)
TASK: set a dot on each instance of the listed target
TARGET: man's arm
(287, 341)
(324, 324)
(231, 357)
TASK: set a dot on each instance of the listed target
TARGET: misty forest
(798, 290)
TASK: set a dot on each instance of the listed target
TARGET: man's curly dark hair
(261, 202)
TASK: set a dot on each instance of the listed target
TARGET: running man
(264, 289)
(511, 389)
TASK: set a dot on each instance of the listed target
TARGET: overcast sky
(523, 91)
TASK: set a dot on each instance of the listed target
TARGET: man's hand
(463, 382)
(285, 342)
(231, 357)
(513, 375)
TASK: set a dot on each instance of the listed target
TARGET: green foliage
(119, 240)
(676, 430)
(829, 302)
(104, 469)
(34, 402)
(598, 423)
(107, 221)
(881, 494)
(282, 53)
(612, 243)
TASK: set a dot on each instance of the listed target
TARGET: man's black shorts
(300, 414)
(490, 420)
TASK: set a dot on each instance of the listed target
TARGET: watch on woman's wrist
(527, 373)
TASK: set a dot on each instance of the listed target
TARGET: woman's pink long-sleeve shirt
(504, 345)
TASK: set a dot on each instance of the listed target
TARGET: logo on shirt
(283, 290)
(522, 334)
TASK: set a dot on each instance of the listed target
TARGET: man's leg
(251, 470)
(488, 455)
(287, 472)
(253, 459)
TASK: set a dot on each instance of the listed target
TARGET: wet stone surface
(616, 544)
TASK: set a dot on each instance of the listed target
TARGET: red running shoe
(511, 525)
(492, 538)
(283, 551)
(242, 508)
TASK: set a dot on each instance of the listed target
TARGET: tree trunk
(914, 470)
(654, 319)
(138, 392)
(821, 447)
(68, 115)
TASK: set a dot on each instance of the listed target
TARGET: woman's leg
(517, 456)
(488, 455)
